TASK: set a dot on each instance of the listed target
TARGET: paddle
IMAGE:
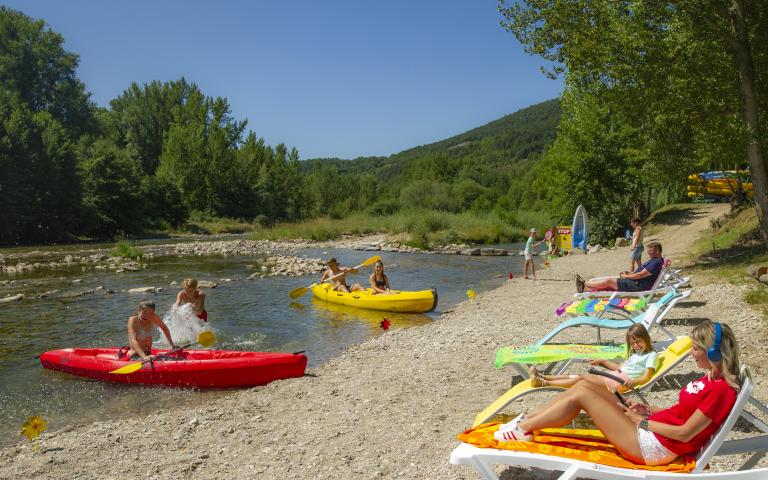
(620, 380)
(297, 292)
(206, 339)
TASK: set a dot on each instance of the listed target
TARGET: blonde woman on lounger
(645, 434)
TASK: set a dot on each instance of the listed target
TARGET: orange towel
(584, 445)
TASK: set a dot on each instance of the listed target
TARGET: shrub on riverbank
(425, 227)
(123, 248)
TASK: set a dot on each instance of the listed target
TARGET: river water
(245, 315)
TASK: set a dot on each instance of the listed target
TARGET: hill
(483, 169)
(514, 137)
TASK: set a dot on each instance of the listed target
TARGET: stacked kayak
(188, 368)
(397, 301)
(719, 184)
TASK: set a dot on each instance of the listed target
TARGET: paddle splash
(184, 324)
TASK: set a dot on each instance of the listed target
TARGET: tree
(112, 190)
(39, 184)
(37, 69)
(667, 68)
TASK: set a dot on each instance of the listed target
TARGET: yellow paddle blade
(206, 339)
(371, 261)
(130, 368)
(297, 292)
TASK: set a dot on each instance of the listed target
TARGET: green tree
(39, 184)
(686, 74)
(35, 67)
(112, 190)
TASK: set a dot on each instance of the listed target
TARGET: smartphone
(621, 399)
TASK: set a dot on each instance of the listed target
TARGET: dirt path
(389, 408)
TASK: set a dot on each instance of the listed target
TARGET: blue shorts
(636, 253)
(628, 285)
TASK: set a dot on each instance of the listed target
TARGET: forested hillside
(471, 171)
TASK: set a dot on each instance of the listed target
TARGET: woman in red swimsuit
(645, 434)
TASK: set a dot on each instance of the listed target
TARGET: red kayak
(189, 368)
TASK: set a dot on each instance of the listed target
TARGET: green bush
(123, 248)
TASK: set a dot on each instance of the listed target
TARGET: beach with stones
(390, 407)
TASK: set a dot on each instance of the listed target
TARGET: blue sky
(331, 78)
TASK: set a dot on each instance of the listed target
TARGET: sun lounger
(482, 459)
(650, 317)
(668, 358)
(666, 280)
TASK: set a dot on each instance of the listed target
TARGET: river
(244, 314)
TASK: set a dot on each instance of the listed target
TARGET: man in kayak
(640, 280)
(336, 275)
(191, 294)
(141, 329)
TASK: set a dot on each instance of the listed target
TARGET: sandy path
(389, 408)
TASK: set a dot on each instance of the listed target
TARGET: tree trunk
(749, 112)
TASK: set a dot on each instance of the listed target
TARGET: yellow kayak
(397, 301)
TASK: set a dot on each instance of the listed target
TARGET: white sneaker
(512, 424)
(511, 431)
(513, 434)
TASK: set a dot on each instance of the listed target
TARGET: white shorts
(529, 256)
(654, 453)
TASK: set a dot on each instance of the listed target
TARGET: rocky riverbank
(389, 408)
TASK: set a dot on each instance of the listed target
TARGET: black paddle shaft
(595, 371)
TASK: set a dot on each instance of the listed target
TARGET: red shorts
(203, 316)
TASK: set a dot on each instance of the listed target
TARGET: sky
(331, 78)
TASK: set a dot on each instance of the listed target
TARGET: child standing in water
(637, 370)
(191, 294)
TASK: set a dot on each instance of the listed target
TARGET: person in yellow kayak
(336, 275)
(141, 329)
(379, 280)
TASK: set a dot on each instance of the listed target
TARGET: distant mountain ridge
(511, 138)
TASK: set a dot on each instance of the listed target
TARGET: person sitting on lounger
(646, 434)
(641, 279)
(637, 370)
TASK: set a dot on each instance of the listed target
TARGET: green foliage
(677, 73)
(111, 190)
(124, 248)
(38, 175)
(425, 228)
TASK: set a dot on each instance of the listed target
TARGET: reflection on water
(337, 314)
(254, 315)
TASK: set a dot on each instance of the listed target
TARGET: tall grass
(425, 228)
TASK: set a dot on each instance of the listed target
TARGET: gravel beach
(389, 408)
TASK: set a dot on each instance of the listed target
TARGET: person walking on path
(529, 246)
(636, 253)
